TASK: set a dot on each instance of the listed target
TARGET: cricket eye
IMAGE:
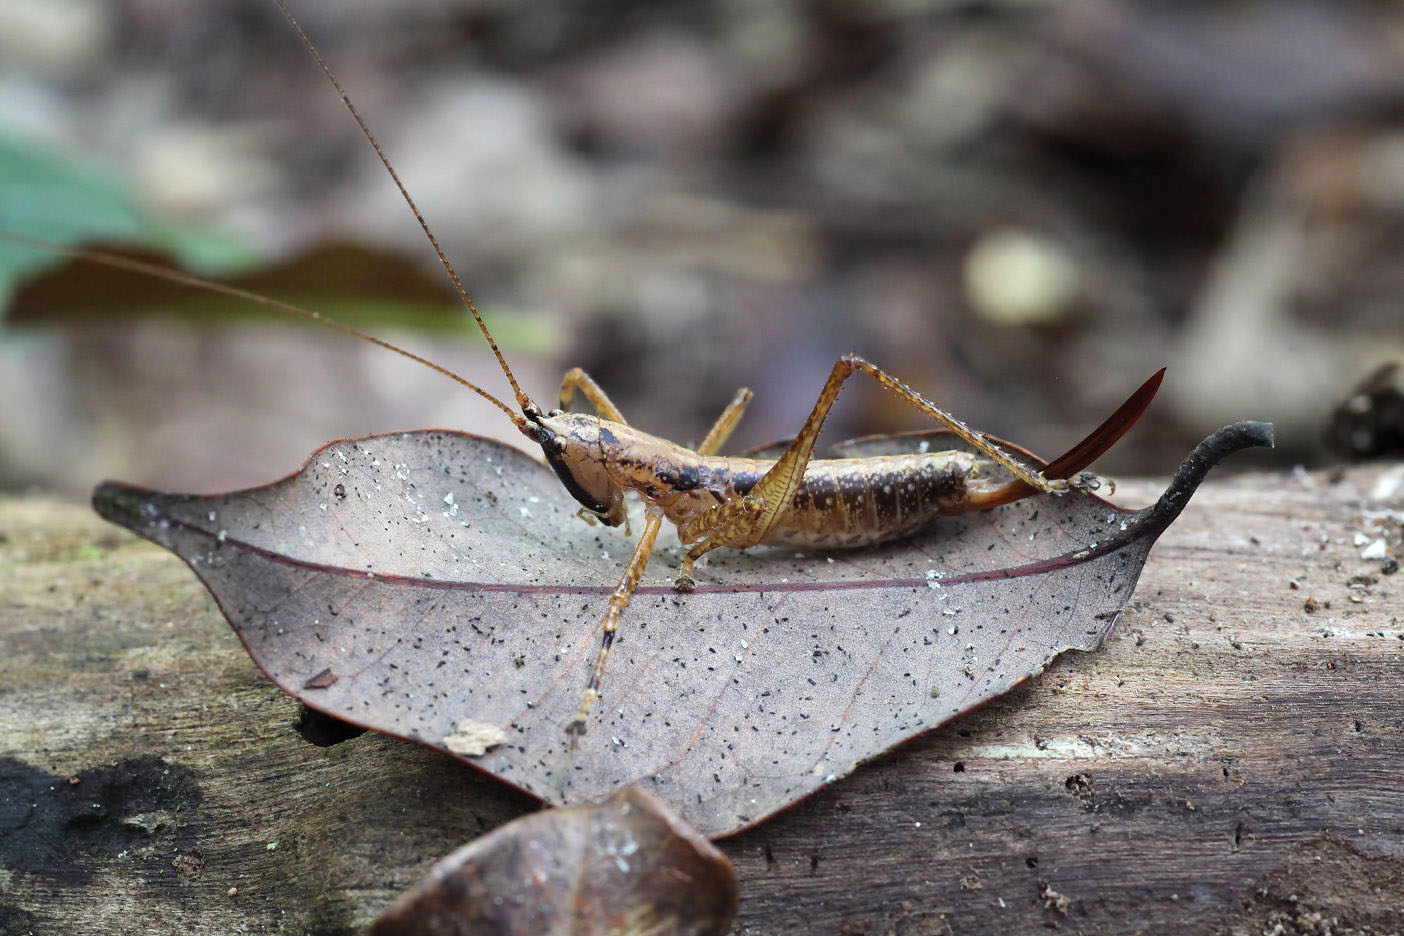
(553, 444)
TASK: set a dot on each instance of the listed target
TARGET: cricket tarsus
(1088, 450)
(716, 501)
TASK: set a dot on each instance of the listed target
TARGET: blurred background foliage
(1022, 208)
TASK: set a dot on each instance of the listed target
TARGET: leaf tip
(1208, 453)
(119, 503)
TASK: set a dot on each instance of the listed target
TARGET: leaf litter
(625, 866)
(419, 582)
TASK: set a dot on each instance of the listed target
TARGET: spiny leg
(718, 527)
(724, 526)
(618, 601)
(576, 379)
(975, 440)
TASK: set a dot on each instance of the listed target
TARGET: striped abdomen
(841, 502)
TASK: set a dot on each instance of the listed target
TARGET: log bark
(1230, 762)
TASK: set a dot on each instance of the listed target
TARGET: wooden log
(1230, 761)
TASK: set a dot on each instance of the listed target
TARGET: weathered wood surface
(1228, 762)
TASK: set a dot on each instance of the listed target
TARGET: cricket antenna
(523, 400)
(119, 262)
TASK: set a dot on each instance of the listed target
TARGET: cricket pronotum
(719, 501)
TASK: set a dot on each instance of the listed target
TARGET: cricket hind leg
(721, 429)
(638, 562)
(976, 440)
(746, 524)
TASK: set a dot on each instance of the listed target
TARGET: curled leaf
(414, 582)
(626, 867)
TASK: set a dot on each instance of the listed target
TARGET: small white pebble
(1376, 550)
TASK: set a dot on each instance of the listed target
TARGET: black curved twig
(1207, 454)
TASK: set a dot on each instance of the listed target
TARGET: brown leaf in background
(624, 867)
(352, 278)
(437, 586)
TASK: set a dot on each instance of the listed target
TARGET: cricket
(794, 500)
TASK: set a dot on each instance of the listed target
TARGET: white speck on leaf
(473, 739)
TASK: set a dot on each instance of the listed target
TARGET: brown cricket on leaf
(714, 501)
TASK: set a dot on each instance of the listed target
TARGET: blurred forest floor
(1021, 208)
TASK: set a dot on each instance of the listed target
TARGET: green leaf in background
(46, 194)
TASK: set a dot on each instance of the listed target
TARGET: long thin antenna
(185, 279)
(522, 400)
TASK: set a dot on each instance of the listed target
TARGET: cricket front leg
(721, 429)
(618, 601)
(576, 379)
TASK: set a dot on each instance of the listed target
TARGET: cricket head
(573, 444)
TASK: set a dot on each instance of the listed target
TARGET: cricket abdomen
(841, 502)
(861, 501)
